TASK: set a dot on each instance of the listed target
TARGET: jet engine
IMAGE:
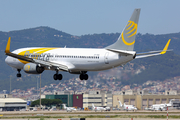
(32, 68)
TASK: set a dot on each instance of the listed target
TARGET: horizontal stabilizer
(123, 52)
(153, 53)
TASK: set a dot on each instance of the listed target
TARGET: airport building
(12, 104)
(142, 99)
(98, 98)
(84, 100)
(70, 100)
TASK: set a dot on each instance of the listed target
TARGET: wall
(78, 100)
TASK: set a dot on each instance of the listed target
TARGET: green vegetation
(157, 68)
(47, 102)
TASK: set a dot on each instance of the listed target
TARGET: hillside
(156, 68)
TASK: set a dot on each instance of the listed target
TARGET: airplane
(35, 60)
(70, 109)
(160, 107)
(98, 108)
(127, 107)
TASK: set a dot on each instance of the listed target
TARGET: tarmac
(56, 115)
(93, 119)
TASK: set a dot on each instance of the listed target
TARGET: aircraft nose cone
(7, 60)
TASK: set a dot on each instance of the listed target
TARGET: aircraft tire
(55, 77)
(18, 75)
(85, 77)
(81, 76)
(59, 77)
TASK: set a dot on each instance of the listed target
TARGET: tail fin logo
(131, 30)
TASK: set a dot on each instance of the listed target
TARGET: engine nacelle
(32, 68)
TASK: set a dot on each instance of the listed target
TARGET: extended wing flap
(52, 65)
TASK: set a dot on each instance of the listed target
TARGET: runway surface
(106, 115)
(94, 119)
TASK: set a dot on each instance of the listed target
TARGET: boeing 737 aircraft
(35, 60)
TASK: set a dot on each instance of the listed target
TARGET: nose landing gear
(18, 74)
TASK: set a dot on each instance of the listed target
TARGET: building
(98, 98)
(5, 96)
(12, 104)
(142, 100)
(70, 100)
(66, 99)
(78, 100)
(172, 92)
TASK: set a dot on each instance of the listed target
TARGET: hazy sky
(80, 17)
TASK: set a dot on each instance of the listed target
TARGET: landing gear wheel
(57, 77)
(18, 74)
(83, 77)
(60, 77)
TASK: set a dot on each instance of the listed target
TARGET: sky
(81, 17)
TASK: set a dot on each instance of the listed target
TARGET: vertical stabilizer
(64, 106)
(120, 104)
(93, 105)
(127, 38)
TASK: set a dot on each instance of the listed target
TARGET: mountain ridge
(49, 37)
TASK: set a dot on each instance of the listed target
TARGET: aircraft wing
(153, 53)
(47, 64)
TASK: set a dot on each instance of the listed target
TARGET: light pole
(40, 91)
(10, 85)
(37, 86)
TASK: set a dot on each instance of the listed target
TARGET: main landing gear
(83, 76)
(57, 76)
(18, 74)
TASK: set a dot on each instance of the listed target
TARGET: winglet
(166, 47)
(8, 46)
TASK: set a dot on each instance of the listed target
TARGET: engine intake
(32, 68)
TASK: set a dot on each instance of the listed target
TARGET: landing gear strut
(18, 74)
(57, 76)
(83, 76)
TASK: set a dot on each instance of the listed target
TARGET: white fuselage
(129, 107)
(69, 108)
(99, 108)
(77, 59)
(160, 106)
